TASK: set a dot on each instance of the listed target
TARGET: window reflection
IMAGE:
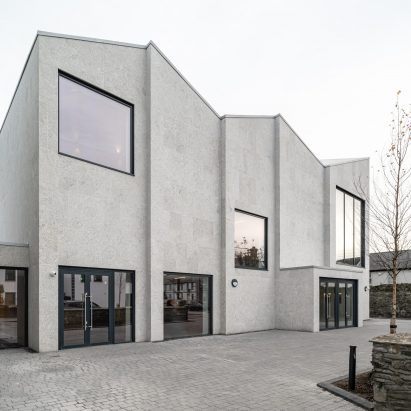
(13, 308)
(93, 126)
(349, 229)
(187, 310)
(349, 237)
(249, 241)
(339, 237)
(123, 305)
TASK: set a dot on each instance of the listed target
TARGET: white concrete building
(139, 213)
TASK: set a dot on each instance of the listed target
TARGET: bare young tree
(390, 204)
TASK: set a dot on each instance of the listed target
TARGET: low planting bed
(361, 396)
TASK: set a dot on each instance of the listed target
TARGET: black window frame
(362, 202)
(210, 278)
(109, 95)
(337, 282)
(265, 268)
(91, 271)
(25, 270)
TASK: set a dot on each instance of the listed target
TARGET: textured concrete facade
(248, 185)
(19, 184)
(193, 168)
(14, 255)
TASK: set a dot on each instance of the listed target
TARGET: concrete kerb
(346, 395)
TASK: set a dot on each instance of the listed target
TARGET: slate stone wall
(391, 358)
(381, 298)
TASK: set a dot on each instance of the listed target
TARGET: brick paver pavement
(270, 370)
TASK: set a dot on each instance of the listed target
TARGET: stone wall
(391, 358)
(381, 298)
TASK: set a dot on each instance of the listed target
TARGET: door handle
(85, 311)
(326, 307)
(91, 311)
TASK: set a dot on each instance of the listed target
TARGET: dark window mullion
(344, 226)
(353, 231)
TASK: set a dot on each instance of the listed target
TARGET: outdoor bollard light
(352, 366)
(234, 283)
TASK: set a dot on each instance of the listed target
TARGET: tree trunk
(393, 322)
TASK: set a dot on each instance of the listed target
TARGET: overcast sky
(331, 68)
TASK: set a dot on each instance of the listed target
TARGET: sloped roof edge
(151, 43)
(341, 161)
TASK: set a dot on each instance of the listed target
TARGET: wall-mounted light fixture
(234, 282)
(365, 288)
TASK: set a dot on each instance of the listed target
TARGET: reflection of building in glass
(182, 290)
(74, 288)
(249, 240)
(12, 307)
(8, 289)
(186, 305)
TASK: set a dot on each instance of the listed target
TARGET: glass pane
(186, 305)
(339, 226)
(349, 312)
(249, 241)
(123, 305)
(93, 127)
(349, 229)
(323, 297)
(357, 232)
(12, 308)
(74, 309)
(99, 309)
(341, 304)
(331, 305)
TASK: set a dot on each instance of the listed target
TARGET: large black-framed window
(188, 305)
(349, 229)
(94, 125)
(250, 240)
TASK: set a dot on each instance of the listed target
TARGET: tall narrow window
(94, 125)
(349, 229)
(250, 241)
(340, 225)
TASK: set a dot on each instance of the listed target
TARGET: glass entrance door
(337, 303)
(89, 312)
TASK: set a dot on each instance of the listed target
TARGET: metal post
(352, 367)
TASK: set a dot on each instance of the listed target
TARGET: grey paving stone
(271, 370)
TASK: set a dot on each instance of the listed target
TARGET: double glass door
(337, 303)
(96, 306)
